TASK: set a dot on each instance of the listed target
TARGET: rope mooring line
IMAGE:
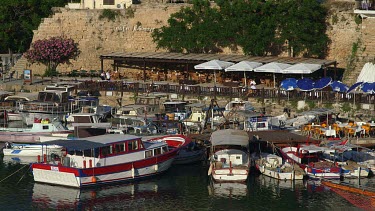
(13, 173)
(24, 175)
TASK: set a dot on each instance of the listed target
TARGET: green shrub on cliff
(110, 15)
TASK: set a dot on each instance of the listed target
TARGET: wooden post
(101, 65)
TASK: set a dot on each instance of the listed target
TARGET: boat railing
(79, 161)
(50, 108)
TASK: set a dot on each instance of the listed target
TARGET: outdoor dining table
(329, 132)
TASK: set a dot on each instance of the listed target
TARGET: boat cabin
(176, 110)
(109, 149)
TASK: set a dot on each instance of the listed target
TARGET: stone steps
(19, 67)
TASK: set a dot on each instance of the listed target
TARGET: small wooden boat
(230, 161)
(105, 159)
(273, 166)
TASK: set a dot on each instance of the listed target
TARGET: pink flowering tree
(52, 52)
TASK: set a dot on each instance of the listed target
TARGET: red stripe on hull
(108, 169)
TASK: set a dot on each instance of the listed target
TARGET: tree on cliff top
(52, 52)
(18, 19)
(258, 27)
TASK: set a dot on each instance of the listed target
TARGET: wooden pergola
(120, 59)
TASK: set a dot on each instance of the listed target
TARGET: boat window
(140, 145)
(157, 151)
(106, 150)
(261, 125)
(148, 153)
(132, 145)
(87, 153)
(45, 127)
(120, 147)
(78, 153)
(165, 149)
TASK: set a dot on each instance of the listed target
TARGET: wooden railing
(196, 90)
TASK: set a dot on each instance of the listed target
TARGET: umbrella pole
(274, 80)
(244, 75)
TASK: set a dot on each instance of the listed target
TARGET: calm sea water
(181, 188)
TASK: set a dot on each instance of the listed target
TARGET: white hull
(230, 175)
(32, 150)
(279, 175)
(54, 176)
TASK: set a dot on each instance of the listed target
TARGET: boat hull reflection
(123, 196)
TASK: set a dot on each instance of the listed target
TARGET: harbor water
(180, 188)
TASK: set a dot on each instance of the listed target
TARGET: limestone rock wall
(96, 37)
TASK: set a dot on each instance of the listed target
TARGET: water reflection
(123, 196)
(227, 190)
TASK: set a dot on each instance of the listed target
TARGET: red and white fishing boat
(190, 152)
(230, 160)
(105, 159)
(309, 158)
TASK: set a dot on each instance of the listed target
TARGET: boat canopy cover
(75, 144)
(230, 137)
(92, 142)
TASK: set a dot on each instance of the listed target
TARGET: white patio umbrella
(273, 67)
(244, 66)
(213, 65)
(302, 68)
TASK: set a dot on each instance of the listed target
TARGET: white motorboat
(273, 166)
(32, 150)
(230, 159)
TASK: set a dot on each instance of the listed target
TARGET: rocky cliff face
(131, 32)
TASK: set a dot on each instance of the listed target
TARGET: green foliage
(129, 12)
(328, 105)
(352, 58)
(19, 18)
(335, 19)
(311, 104)
(109, 14)
(346, 107)
(358, 19)
(294, 104)
(50, 72)
(258, 27)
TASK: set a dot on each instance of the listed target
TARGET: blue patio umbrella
(338, 86)
(289, 84)
(305, 84)
(368, 88)
(354, 87)
(322, 83)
